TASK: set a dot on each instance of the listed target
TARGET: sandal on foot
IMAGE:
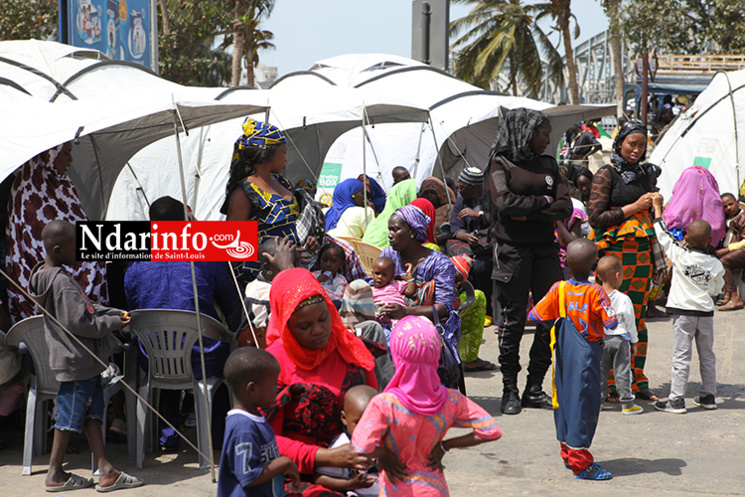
(73, 483)
(613, 399)
(594, 472)
(647, 395)
(731, 306)
(124, 481)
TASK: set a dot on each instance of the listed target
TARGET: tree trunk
(164, 17)
(616, 54)
(569, 52)
(239, 41)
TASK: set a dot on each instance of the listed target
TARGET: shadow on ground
(630, 466)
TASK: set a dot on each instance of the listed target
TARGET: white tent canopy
(110, 109)
(104, 141)
(463, 123)
(710, 133)
(312, 117)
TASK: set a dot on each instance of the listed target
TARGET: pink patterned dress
(412, 437)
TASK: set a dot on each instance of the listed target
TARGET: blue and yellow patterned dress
(276, 216)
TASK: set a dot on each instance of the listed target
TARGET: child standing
(620, 342)
(404, 426)
(331, 260)
(341, 479)
(250, 463)
(389, 290)
(578, 348)
(80, 403)
(697, 276)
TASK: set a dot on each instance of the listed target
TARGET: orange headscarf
(289, 288)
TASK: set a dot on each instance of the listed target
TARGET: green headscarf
(400, 195)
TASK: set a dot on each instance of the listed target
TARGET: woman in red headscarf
(320, 360)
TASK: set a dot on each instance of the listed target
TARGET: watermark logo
(167, 240)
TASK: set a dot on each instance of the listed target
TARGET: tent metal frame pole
(442, 168)
(207, 400)
(734, 125)
(417, 159)
(364, 165)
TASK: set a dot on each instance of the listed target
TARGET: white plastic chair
(28, 335)
(42, 388)
(168, 337)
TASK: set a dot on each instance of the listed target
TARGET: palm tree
(612, 10)
(560, 11)
(247, 38)
(500, 31)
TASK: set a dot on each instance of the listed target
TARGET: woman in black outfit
(528, 196)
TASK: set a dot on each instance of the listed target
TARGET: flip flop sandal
(613, 399)
(75, 482)
(594, 472)
(729, 306)
(124, 481)
(647, 395)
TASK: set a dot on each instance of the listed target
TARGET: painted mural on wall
(118, 28)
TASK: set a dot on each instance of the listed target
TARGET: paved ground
(699, 453)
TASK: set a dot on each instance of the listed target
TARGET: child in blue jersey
(578, 347)
(250, 462)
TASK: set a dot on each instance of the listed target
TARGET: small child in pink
(387, 289)
(404, 426)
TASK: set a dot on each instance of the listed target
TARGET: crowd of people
(336, 365)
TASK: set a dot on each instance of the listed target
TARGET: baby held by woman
(389, 288)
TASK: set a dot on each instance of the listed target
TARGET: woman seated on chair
(348, 217)
(320, 360)
(433, 272)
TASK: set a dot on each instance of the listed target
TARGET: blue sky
(306, 31)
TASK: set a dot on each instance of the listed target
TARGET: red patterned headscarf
(291, 287)
(429, 210)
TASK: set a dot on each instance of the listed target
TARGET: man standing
(731, 255)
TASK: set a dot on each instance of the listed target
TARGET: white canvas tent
(116, 108)
(710, 133)
(464, 118)
(311, 116)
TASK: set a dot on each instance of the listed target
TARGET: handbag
(448, 368)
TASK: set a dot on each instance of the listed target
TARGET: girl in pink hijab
(696, 196)
(404, 426)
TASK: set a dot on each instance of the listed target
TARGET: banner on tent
(327, 181)
(167, 241)
(119, 28)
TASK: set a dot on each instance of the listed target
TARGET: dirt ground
(698, 453)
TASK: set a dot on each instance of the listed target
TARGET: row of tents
(352, 114)
(368, 113)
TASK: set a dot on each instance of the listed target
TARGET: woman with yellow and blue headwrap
(256, 190)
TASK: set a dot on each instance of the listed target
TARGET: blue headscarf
(342, 201)
(377, 195)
